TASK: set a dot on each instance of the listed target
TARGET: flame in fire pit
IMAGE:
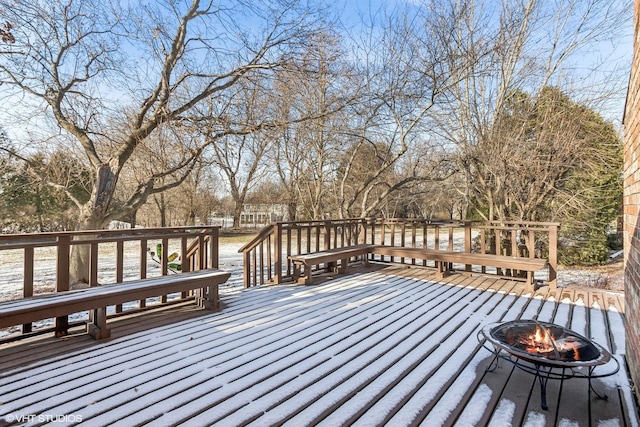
(543, 342)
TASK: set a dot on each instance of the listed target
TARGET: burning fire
(543, 342)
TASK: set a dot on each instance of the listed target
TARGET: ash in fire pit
(533, 339)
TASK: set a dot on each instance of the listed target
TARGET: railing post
(143, 265)
(27, 287)
(62, 279)
(553, 256)
(372, 229)
(531, 242)
(93, 264)
(143, 258)
(327, 235)
(277, 256)
(467, 237)
(119, 268)
(164, 263)
(467, 242)
(201, 253)
(247, 268)
(213, 248)
(184, 251)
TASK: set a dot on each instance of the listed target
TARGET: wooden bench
(443, 259)
(96, 299)
(328, 257)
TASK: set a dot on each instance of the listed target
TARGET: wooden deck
(386, 346)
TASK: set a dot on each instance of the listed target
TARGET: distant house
(118, 225)
(253, 215)
(263, 213)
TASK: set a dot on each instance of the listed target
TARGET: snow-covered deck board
(388, 346)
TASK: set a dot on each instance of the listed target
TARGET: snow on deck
(390, 346)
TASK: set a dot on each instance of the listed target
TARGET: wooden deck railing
(266, 256)
(197, 247)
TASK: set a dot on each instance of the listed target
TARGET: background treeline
(167, 113)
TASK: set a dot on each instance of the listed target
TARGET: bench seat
(96, 299)
(442, 259)
(328, 257)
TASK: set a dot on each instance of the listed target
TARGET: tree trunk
(162, 209)
(292, 210)
(237, 211)
(79, 257)
(132, 218)
(92, 217)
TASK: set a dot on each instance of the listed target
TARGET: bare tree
(239, 160)
(94, 63)
(238, 153)
(314, 95)
(372, 108)
(504, 60)
(197, 195)
(402, 78)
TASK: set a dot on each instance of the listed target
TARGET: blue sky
(614, 55)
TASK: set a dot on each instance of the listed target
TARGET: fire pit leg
(494, 363)
(542, 379)
(602, 396)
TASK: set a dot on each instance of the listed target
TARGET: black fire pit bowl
(512, 342)
(569, 349)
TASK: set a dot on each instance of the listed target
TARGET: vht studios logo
(42, 418)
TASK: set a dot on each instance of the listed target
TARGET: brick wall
(632, 208)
